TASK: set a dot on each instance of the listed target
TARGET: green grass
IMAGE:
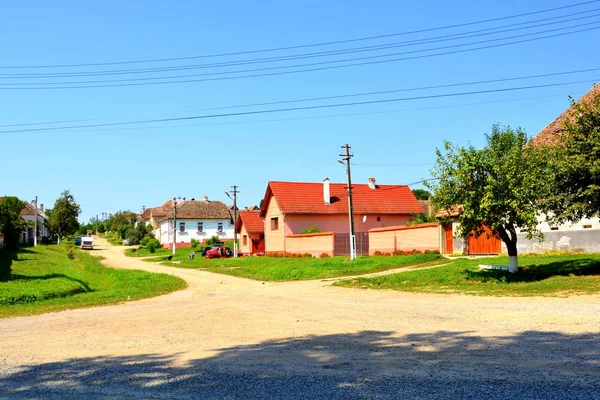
(113, 238)
(293, 269)
(46, 279)
(144, 252)
(539, 275)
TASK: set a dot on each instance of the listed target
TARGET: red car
(220, 252)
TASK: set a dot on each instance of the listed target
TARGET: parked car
(220, 252)
(78, 241)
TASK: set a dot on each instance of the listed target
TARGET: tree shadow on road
(369, 364)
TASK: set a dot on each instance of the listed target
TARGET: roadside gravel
(226, 337)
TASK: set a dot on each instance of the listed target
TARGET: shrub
(213, 241)
(145, 240)
(152, 245)
(324, 255)
(195, 243)
(311, 229)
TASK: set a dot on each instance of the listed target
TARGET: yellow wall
(315, 244)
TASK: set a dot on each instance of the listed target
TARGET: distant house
(251, 229)
(196, 219)
(153, 215)
(290, 207)
(30, 214)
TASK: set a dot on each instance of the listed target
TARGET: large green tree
(11, 223)
(421, 194)
(575, 164)
(62, 218)
(499, 186)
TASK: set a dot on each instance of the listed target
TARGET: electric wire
(268, 111)
(310, 44)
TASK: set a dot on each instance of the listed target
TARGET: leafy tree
(421, 218)
(213, 241)
(575, 164)
(499, 186)
(11, 223)
(421, 194)
(62, 218)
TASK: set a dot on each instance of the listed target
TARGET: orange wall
(274, 240)
(414, 238)
(315, 244)
(244, 249)
(339, 223)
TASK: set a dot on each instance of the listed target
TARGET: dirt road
(226, 337)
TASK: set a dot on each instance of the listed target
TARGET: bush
(311, 229)
(324, 255)
(195, 243)
(152, 245)
(213, 241)
(145, 240)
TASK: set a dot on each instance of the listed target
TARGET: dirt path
(226, 325)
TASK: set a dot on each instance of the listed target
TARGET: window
(220, 227)
(200, 227)
(182, 227)
(587, 226)
(378, 219)
(274, 223)
(245, 240)
(554, 228)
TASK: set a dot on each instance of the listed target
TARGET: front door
(448, 238)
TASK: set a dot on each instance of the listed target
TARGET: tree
(421, 194)
(11, 223)
(575, 164)
(62, 218)
(500, 186)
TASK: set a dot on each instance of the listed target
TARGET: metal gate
(341, 245)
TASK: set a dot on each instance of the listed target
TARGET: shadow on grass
(538, 272)
(82, 283)
(368, 364)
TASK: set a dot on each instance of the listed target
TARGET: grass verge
(539, 275)
(54, 278)
(293, 269)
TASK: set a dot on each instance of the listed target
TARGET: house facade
(290, 207)
(30, 214)
(251, 232)
(198, 220)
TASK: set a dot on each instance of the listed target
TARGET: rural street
(226, 337)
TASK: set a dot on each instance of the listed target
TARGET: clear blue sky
(115, 168)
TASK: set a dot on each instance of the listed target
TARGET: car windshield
(215, 248)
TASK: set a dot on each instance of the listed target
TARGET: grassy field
(53, 278)
(293, 269)
(539, 275)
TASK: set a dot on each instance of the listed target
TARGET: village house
(289, 208)
(196, 219)
(30, 214)
(251, 232)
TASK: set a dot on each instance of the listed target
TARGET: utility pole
(235, 243)
(346, 157)
(36, 224)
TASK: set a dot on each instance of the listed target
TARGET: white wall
(210, 228)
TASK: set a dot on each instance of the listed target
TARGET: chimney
(205, 198)
(326, 193)
(372, 183)
(42, 207)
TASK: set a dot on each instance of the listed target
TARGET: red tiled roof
(454, 211)
(307, 198)
(251, 221)
(201, 209)
(550, 133)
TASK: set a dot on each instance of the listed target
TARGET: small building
(289, 208)
(196, 219)
(251, 230)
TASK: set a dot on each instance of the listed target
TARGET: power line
(456, 36)
(299, 71)
(207, 116)
(306, 45)
(319, 98)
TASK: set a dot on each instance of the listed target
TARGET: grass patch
(293, 269)
(144, 252)
(539, 275)
(60, 277)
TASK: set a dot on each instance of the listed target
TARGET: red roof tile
(251, 221)
(549, 135)
(307, 198)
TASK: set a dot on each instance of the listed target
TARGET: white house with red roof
(290, 207)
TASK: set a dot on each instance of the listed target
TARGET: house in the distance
(196, 219)
(291, 207)
(251, 232)
(30, 214)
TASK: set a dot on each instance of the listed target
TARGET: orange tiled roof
(251, 221)
(549, 134)
(307, 198)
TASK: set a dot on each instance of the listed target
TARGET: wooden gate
(486, 243)
(341, 246)
(448, 249)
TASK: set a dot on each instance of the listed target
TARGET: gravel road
(230, 338)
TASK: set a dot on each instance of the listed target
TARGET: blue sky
(122, 167)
